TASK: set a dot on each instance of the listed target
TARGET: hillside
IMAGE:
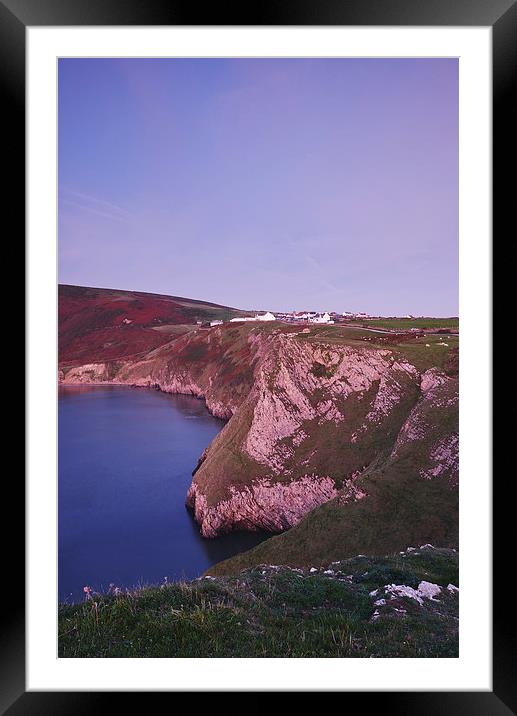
(106, 324)
(408, 496)
(403, 605)
(345, 438)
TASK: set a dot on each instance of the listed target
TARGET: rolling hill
(105, 324)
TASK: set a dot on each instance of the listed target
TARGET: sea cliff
(311, 416)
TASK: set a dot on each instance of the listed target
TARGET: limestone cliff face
(307, 428)
(266, 504)
(202, 365)
(431, 429)
(306, 418)
(302, 384)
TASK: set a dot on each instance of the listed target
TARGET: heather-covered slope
(105, 324)
(316, 415)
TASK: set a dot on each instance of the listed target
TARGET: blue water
(126, 457)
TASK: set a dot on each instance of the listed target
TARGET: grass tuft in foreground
(271, 611)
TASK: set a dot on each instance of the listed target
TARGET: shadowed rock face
(272, 506)
(307, 419)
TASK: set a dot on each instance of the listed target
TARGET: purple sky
(268, 184)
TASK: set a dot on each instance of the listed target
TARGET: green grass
(400, 510)
(430, 352)
(174, 329)
(274, 612)
(423, 352)
(406, 323)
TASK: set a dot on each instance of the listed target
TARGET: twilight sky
(281, 184)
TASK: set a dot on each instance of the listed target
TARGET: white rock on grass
(452, 588)
(426, 590)
(401, 590)
(429, 590)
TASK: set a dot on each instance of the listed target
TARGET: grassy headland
(272, 611)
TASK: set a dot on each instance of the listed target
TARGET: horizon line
(250, 310)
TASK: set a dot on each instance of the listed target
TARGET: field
(424, 351)
(407, 323)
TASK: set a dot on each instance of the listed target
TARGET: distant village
(300, 317)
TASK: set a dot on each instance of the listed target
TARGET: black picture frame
(15, 17)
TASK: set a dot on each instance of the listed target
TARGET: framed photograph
(253, 243)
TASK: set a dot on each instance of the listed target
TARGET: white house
(266, 317)
(325, 318)
(215, 323)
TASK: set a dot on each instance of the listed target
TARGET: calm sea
(126, 457)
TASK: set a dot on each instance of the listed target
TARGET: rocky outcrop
(299, 384)
(87, 373)
(195, 364)
(262, 505)
(305, 418)
(431, 429)
(444, 458)
(304, 433)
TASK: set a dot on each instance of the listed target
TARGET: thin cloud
(94, 205)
